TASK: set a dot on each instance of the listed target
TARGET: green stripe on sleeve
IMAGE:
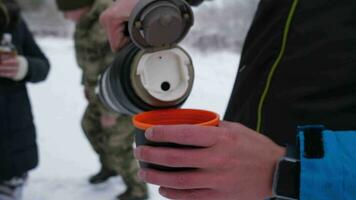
(275, 64)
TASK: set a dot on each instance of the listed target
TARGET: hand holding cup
(232, 162)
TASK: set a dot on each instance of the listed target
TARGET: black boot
(131, 195)
(102, 176)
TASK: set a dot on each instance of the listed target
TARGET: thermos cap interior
(162, 77)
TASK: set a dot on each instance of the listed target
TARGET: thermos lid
(156, 24)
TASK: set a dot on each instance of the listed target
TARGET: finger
(115, 37)
(8, 68)
(197, 194)
(192, 179)
(113, 21)
(226, 124)
(119, 40)
(7, 74)
(107, 20)
(173, 157)
(9, 71)
(184, 134)
(7, 56)
(238, 128)
(9, 61)
(114, 27)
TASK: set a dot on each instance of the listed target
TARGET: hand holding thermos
(12, 65)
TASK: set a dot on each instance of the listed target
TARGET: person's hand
(9, 67)
(234, 162)
(13, 67)
(113, 20)
(108, 121)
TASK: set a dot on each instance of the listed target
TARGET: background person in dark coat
(18, 149)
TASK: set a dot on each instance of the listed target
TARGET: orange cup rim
(139, 118)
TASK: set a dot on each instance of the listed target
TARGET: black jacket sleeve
(195, 2)
(38, 64)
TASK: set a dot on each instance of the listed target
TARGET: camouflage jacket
(91, 44)
(92, 48)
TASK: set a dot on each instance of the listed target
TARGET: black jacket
(18, 150)
(195, 2)
(298, 67)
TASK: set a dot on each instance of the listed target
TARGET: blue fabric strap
(332, 177)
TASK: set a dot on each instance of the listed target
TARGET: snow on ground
(66, 158)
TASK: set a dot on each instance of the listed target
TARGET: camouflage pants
(114, 146)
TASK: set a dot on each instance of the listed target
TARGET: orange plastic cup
(150, 119)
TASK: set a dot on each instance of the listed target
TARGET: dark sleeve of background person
(38, 64)
(195, 2)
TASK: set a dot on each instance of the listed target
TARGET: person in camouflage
(109, 133)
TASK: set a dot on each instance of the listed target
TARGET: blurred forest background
(220, 24)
